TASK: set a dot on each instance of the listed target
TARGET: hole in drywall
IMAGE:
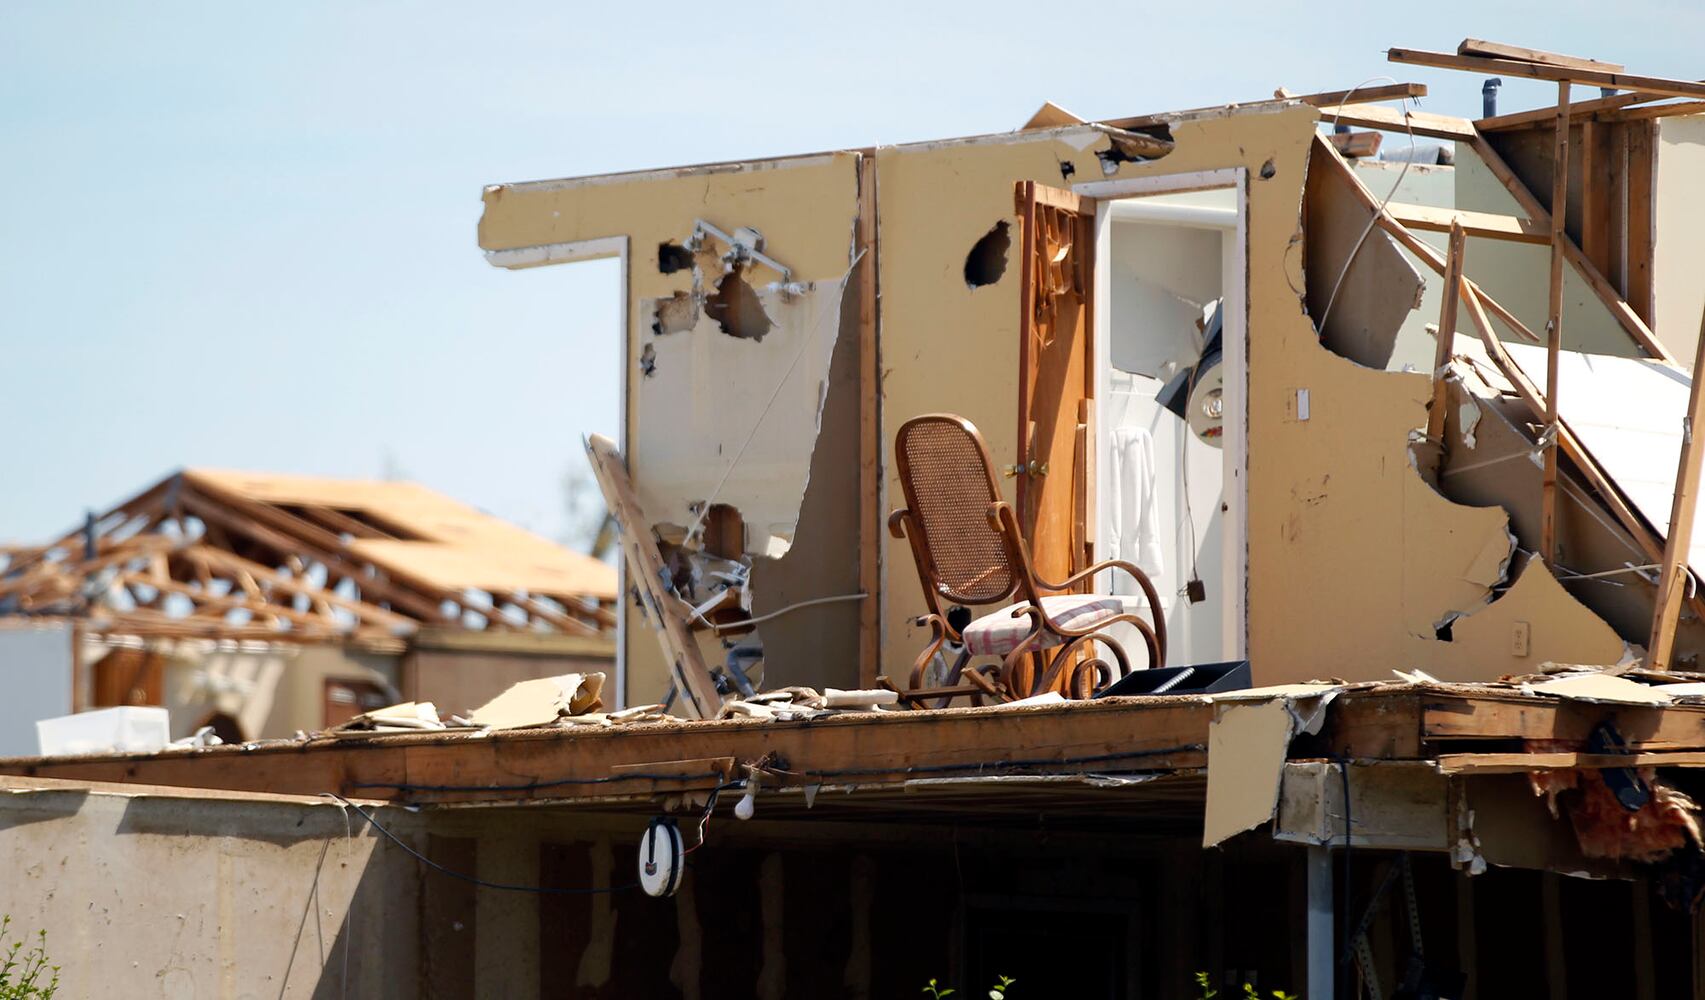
(648, 361)
(986, 262)
(1268, 170)
(1442, 631)
(737, 308)
(675, 314)
(1067, 169)
(672, 257)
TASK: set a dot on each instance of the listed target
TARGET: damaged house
(1395, 691)
(257, 606)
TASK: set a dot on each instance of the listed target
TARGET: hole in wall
(1268, 170)
(737, 308)
(672, 257)
(675, 314)
(648, 361)
(986, 262)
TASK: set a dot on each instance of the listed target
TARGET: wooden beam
(1674, 582)
(556, 764)
(1393, 120)
(1521, 763)
(1539, 71)
(1544, 116)
(1359, 95)
(1446, 337)
(692, 680)
(1498, 50)
(1356, 144)
(1479, 224)
(871, 536)
(1639, 280)
(1649, 112)
(1554, 331)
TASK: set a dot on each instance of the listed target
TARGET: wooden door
(128, 676)
(1056, 379)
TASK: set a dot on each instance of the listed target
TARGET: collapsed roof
(234, 555)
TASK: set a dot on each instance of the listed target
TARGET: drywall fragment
(648, 361)
(1050, 115)
(1246, 758)
(1359, 310)
(749, 449)
(1600, 688)
(541, 701)
(986, 262)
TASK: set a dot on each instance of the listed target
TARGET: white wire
(804, 342)
(1373, 220)
(745, 622)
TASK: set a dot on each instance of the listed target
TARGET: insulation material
(710, 391)
(1248, 740)
(1381, 288)
(1667, 822)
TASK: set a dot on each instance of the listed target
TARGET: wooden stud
(1543, 116)
(1356, 144)
(1447, 333)
(1393, 120)
(1554, 330)
(1675, 580)
(693, 682)
(871, 519)
(1642, 219)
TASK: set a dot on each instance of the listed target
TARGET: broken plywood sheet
(739, 411)
(1629, 414)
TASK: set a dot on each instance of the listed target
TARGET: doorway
(1170, 385)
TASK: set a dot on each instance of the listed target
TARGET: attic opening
(986, 262)
(672, 257)
(737, 309)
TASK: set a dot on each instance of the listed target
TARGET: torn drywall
(1360, 308)
(1248, 740)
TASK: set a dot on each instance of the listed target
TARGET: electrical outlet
(1520, 639)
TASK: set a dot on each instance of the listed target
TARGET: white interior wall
(35, 665)
(1161, 272)
(1680, 242)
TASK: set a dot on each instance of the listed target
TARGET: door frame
(1235, 340)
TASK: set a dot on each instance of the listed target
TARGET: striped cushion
(1000, 633)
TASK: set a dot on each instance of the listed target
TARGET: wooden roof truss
(186, 559)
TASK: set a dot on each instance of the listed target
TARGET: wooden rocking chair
(969, 550)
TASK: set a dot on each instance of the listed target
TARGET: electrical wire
(748, 622)
(543, 890)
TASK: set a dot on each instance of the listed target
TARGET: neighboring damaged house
(263, 604)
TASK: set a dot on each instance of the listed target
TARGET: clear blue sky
(241, 235)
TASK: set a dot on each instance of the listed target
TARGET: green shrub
(21, 977)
